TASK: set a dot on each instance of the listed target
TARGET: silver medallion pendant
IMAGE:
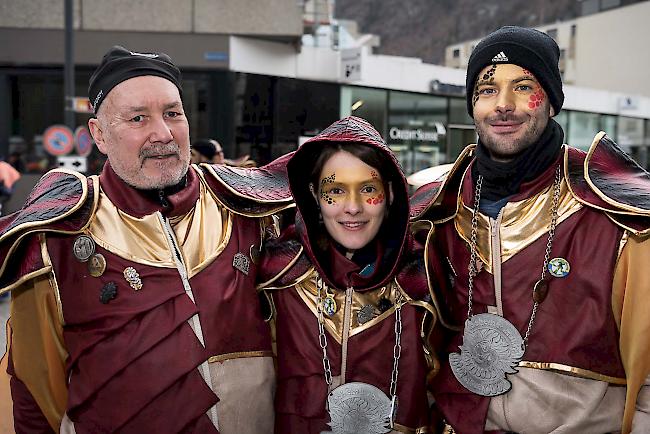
(492, 347)
(359, 408)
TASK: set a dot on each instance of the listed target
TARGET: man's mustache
(156, 151)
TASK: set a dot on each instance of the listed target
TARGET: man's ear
(391, 196)
(551, 110)
(98, 135)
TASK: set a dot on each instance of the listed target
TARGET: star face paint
(511, 111)
(352, 200)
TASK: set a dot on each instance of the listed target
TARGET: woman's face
(352, 200)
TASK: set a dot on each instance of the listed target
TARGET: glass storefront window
(608, 124)
(458, 112)
(630, 132)
(631, 138)
(562, 118)
(582, 129)
(416, 129)
(369, 104)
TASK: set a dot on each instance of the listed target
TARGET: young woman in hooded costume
(348, 289)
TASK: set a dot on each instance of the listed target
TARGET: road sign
(58, 140)
(73, 163)
(83, 141)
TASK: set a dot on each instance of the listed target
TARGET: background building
(263, 75)
(604, 49)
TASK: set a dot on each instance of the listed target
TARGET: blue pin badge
(559, 267)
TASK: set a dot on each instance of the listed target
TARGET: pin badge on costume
(365, 314)
(97, 265)
(329, 305)
(109, 292)
(359, 408)
(83, 248)
(492, 347)
(241, 263)
(133, 278)
(559, 267)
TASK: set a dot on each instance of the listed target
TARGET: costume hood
(394, 231)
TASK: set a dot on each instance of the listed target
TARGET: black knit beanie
(120, 64)
(531, 49)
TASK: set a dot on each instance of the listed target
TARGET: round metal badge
(365, 314)
(559, 267)
(359, 408)
(83, 248)
(329, 305)
(97, 265)
(492, 347)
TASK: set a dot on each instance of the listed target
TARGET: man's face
(142, 128)
(511, 110)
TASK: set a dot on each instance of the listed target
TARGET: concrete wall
(609, 50)
(42, 47)
(281, 18)
(613, 50)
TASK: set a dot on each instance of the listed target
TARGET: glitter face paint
(352, 200)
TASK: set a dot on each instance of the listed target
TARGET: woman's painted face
(352, 200)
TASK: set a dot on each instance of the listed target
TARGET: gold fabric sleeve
(630, 297)
(37, 347)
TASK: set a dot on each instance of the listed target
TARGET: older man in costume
(133, 300)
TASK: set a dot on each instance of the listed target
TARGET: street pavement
(4, 315)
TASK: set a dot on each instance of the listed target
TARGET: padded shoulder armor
(254, 192)
(606, 178)
(437, 200)
(284, 262)
(62, 202)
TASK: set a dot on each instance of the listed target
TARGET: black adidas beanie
(120, 64)
(531, 49)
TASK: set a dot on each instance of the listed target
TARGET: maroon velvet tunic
(133, 361)
(301, 397)
(574, 326)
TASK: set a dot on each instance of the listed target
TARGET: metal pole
(68, 67)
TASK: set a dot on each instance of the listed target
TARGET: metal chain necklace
(359, 407)
(492, 346)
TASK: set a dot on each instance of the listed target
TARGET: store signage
(351, 64)
(436, 86)
(215, 56)
(418, 134)
(628, 103)
(58, 140)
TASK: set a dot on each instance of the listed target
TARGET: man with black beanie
(547, 252)
(134, 307)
